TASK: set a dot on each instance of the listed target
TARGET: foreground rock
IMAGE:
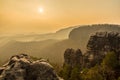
(22, 67)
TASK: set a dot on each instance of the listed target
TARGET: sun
(40, 10)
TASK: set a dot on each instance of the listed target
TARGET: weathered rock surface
(104, 41)
(22, 67)
(73, 57)
(100, 44)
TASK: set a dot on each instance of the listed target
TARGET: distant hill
(63, 33)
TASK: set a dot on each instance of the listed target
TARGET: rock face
(104, 41)
(100, 44)
(72, 64)
(22, 67)
(72, 57)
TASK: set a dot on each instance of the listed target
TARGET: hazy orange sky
(25, 16)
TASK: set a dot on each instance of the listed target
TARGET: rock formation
(72, 57)
(22, 67)
(100, 44)
(104, 41)
(72, 64)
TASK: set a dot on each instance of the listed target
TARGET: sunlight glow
(40, 10)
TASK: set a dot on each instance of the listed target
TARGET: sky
(44, 16)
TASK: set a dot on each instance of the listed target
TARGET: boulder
(22, 67)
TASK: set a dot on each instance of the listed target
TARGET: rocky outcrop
(104, 41)
(100, 44)
(22, 67)
(72, 64)
(72, 57)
